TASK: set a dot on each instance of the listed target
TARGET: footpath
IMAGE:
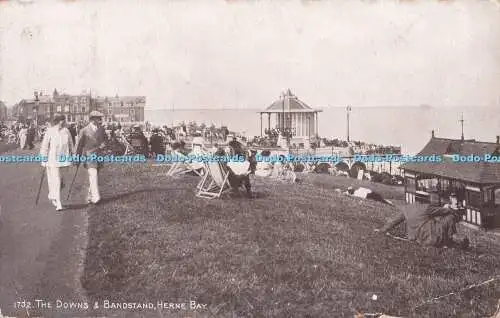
(42, 250)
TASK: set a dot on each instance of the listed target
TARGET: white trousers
(93, 194)
(54, 182)
(22, 141)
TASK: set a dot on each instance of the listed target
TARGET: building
(293, 115)
(39, 109)
(122, 108)
(475, 180)
(75, 107)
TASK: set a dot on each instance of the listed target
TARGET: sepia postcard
(259, 158)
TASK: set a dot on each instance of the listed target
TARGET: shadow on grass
(76, 206)
(257, 195)
(126, 194)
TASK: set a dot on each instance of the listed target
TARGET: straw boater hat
(96, 114)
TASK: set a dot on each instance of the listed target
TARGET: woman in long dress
(23, 134)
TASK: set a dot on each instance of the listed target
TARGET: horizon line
(328, 107)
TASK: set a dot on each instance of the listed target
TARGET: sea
(406, 127)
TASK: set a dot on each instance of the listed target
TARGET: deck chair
(215, 181)
(179, 168)
(129, 149)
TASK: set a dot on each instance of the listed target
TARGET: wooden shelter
(292, 114)
(476, 183)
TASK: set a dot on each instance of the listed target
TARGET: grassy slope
(4, 147)
(295, 251)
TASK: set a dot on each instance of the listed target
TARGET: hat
(95, 113)
(58, 117)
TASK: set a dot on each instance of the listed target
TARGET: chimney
(432, 133)
(498, 139)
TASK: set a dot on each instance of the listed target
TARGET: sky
(243, 54)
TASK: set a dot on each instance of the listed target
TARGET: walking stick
(40, 186)
(72, 182)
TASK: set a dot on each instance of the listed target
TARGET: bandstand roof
(289, 103)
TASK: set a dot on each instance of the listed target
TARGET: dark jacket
(91, 142)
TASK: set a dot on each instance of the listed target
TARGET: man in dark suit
(30, 138)
(91, 140)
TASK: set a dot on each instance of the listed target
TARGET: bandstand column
(302, 124)
(307, 124)
(294, 124)
(317, 121)
(299, 125)
(261, 124)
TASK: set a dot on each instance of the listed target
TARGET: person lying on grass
(366, 193)
(433, 225)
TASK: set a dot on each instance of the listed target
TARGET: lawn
(296, 250)
(4, 147)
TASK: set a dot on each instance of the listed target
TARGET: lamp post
(349, 109)
(461, 121)
(35, 109)
(283, 115)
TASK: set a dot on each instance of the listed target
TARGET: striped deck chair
(179, 168)
(215, 181)
(129, 149)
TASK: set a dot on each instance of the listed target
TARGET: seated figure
(238, 174)
(138, 141)
(264, 168)
(157, 142)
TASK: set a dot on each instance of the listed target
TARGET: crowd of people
(431, 225)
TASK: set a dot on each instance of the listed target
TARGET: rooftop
(289, 103)
(476, 172)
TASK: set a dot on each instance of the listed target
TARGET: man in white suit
(56, 144)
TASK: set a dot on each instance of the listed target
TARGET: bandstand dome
(290, 113)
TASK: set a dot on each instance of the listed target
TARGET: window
(488, 195)
(83, 109)
(497, 196)
(444, 185)
(59, 107)
(66, 108)
(410, 184)
(428, 185)
(473, 198)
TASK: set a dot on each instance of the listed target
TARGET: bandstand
(293, 115)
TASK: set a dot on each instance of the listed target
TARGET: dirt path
(41, 250)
